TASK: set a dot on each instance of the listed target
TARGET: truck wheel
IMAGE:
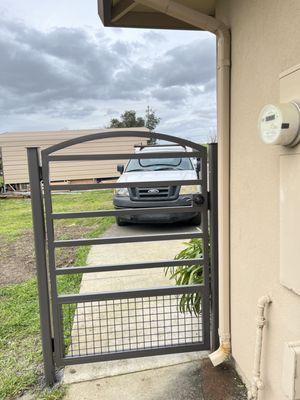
(121, 222)
(196, 221)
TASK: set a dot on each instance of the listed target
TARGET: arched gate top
(128, 133)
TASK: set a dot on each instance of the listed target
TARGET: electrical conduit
(257, 383)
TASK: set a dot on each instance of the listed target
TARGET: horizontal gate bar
(127, 239)
(129, 294)
(124, 267)
(126, 211)
(120, 156)
(180, 348)
(113, 185)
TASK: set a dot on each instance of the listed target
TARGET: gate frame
(38, 220)
(214, 242)
(46, 276)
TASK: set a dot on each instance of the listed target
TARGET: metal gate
(127, 323)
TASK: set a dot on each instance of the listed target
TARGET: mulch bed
(221, 382)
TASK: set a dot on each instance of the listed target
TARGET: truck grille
(158, 193)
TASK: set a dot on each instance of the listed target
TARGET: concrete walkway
(154, 378)
(178, 382)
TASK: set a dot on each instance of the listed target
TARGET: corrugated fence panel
(14, 155)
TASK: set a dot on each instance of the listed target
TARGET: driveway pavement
(149, 378)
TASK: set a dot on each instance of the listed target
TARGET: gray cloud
(69, 73)
(210, 86)
(153, 36)
(61, 64)
(172, 95)
(191, 64)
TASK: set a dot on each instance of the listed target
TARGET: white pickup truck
(153, 170)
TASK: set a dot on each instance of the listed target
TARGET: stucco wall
(265, 41)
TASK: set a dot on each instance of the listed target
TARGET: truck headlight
(122, 192)
(190, 189)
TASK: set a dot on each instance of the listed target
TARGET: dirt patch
(17, 262)
(221, 383)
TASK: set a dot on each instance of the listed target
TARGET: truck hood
(154, 176)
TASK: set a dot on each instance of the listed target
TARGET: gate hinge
(52, 345)
(40, 173)
(208, 200)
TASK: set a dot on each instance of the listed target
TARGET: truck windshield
(159, 164)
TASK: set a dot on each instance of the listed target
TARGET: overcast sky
(60, 68)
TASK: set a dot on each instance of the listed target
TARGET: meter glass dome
(270, 123)
(279, 124)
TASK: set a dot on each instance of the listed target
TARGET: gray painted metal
(213, 215)
(111, 134)
(124, 156)
(126, 267)
(126, 211)
(58, 302)
(135, 354)
(127, 239)
(115, 185)
(130, 294)
(41, 264)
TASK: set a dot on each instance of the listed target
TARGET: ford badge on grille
(153, 191)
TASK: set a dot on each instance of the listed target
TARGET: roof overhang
(129, 14)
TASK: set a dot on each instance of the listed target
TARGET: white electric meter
(279, 124)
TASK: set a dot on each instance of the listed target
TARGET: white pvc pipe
(223, 110)
(257, 383)
(222, 32)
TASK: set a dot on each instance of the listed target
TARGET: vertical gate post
(213, 216)
(41, 263)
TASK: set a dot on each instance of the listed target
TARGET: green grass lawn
(20, 344)
(16, 213)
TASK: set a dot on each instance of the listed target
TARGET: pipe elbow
(221, 355)
(253, 391)
(264, 300)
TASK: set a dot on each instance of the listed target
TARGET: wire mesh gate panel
(129, 323)
(104, 327)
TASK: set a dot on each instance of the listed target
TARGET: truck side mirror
(198, 165)
(120, 168)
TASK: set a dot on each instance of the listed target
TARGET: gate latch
(198, 199)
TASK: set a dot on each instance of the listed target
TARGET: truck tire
(196, 221)
(121, 222)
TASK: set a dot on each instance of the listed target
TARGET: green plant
(189, 275)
